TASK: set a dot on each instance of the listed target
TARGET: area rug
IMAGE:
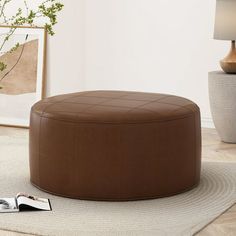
(183, 214)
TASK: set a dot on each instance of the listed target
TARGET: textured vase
(222, 94)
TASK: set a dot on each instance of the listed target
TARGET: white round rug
(183, 214)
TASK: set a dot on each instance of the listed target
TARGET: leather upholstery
(115, 145)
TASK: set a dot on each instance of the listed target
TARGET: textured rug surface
(183, 214)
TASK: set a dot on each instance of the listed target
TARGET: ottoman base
(118, 199)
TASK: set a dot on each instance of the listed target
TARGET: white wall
(145, 45)
(66, 50)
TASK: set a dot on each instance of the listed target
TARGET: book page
(8, 205)
(25, 200)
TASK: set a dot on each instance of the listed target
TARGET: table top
(221, 74)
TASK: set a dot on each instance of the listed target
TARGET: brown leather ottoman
(114, 145)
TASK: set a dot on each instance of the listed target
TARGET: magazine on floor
(24, 202)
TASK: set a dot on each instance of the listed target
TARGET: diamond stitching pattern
(114, 106)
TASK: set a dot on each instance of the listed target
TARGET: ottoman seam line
(119, 123)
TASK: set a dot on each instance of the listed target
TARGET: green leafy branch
(46, 11)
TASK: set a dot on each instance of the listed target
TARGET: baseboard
(207, 122)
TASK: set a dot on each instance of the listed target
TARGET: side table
(222, 94)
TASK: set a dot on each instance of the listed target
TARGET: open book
(24, 202)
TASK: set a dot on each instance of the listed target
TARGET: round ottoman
(115, 145)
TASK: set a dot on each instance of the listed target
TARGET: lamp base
(228, 64)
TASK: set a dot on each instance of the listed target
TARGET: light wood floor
(213, 149)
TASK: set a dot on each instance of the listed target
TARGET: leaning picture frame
(22, 81)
